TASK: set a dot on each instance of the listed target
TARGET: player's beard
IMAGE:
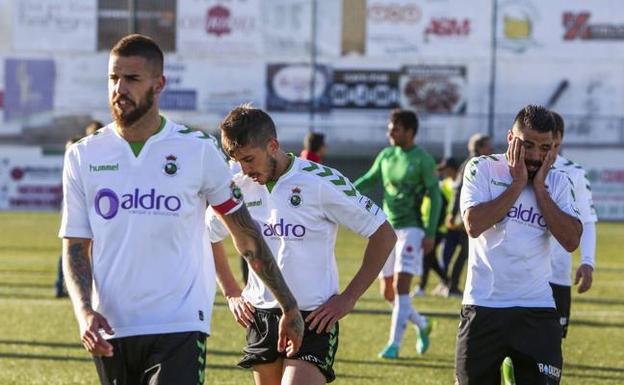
(530, 162)
(126, 119)
(272, 168)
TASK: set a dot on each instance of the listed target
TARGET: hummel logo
(104, 167)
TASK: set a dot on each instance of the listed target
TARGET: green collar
(136, 147)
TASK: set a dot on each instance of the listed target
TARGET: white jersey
(509, 264)
(299, 220)
(561, 260)
(145, 215)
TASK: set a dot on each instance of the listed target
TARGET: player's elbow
(471, 225)
(571, 244)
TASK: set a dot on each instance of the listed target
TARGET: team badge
(171, 166)
(236, 191)
(295, 198)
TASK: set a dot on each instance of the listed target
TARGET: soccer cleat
(422, 335)
(390, 352)
(441, 290)
(418, 292)
(508, 372)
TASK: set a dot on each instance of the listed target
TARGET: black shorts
(155, 359)
(563, 300)
(262, 336)
(531, 337)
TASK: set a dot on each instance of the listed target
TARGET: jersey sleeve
(563, 194)
(75, 217)
(218, 188)
(475, 189)
(430, 178)
(217, 231)
(367, 181)
(345, 205)
(584, 200)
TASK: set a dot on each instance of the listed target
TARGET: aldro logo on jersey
(295, 198)
(108, 203)
(170, 167)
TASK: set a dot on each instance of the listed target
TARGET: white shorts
(407, 256)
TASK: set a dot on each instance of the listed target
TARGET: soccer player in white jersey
(299, 205)
(514, 205)
(135, 194)
(561, 260)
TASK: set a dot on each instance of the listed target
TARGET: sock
(417, 319)
(400, 315)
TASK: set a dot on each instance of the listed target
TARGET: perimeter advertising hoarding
(605, 172)
(289, 87)
(437, 89)
(29, 180)
(54, 25)
(365, 88)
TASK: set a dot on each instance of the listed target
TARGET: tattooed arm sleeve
(77, 271)
(250, 244)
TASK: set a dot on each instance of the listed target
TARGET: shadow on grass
(25, 271)
(436, 314)
(599, 300)
(605, 324)
(596, 368)
(28, 285)
(42, 344)
(592, 376)
(408, 362)
(24, 356)
(27, 296)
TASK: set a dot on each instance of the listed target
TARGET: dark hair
(246, 125)
(535, 118)
(406, 118)
(313, 141)
(559, 125)
(143, 46)
(93, 126)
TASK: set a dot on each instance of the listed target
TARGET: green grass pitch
(39, 337)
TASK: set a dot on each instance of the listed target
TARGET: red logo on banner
(218, 20)
(445, 26)
(17, 173)
(576, 25)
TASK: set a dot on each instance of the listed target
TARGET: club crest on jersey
(236, 191)
(295, 198)
(171, 166)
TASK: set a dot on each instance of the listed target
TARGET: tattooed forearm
(259, 256)
(77, 269)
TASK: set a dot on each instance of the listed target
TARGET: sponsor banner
(370, 89)
(183, 100)
(434, 88)
(29, 87)
(217, 27)
(54, 25)
(289, 87)
(606, 176)
(152, 18)
(29, 181)
(229, 85)
(286, 28)
(81, 83)
(445, 28)
(589, 96)
(574, 28)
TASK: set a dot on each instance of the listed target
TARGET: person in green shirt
(407, 173)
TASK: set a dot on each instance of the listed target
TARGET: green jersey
(406, 176)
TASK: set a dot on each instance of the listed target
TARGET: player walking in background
(513, 205)
(299, 205)
(406, 173)
(456, 237)
(313, 147)
(561, 262)
(135, 194)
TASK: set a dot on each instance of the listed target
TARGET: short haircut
(246, 125)
(559, 125)
(535, 118)
(93, 126)
(477, 141)
(313, 141)
(406, 118)
(143, 46)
